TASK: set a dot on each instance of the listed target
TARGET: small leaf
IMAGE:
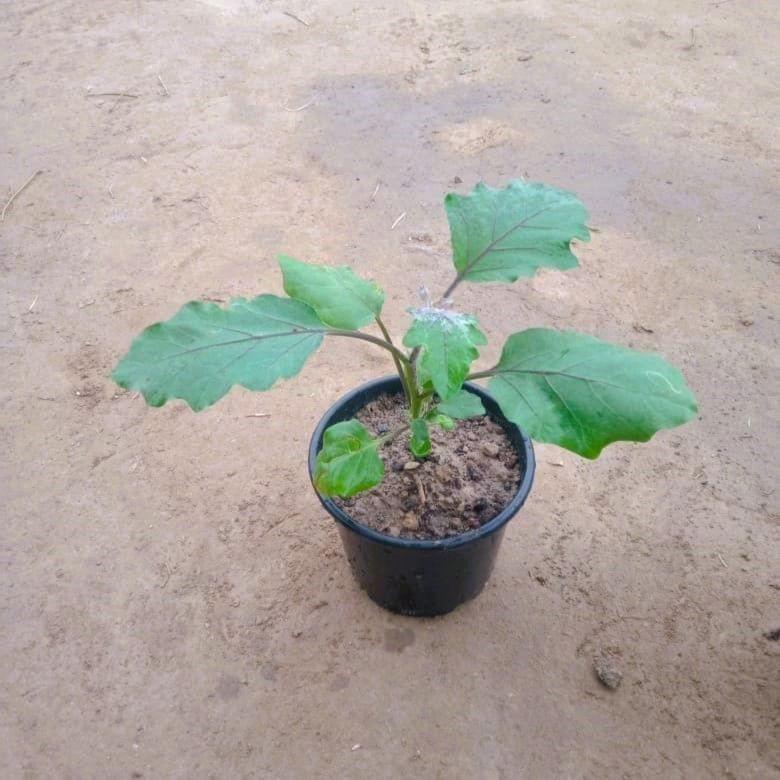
(448, 340)
(462, 406)
(204, 349)
(420, 439)
(582, 394)
(340, 298)
(348, 462)
(442, 420)
(500, 235)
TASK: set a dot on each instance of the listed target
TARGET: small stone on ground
(607, 674)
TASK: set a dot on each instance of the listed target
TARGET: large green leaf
(578, 392)
(500, 235)
(348, 462)
(448, 342)
(340, 298)
(462, 406)
(205, 349)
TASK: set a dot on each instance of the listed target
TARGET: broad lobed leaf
(448, 340)
(348, 462)
(499, 235)
(581, 393)
(205, 349)
(340, 298)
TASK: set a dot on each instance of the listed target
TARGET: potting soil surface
(470, 476)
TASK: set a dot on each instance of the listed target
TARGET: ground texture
(174, 602)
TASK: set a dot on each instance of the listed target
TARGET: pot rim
(493, 525)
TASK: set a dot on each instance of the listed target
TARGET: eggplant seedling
(560, 387)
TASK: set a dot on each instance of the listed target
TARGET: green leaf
(578, 392)
(340, 298)
(348, 462)
(204, 349)
(500, 235)
(448, 340)
(442, 420)
(462, 406)
(420, 439)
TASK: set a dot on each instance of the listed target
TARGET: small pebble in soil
(607, 674)
(393, 531)
(411, 465)
(491, 450)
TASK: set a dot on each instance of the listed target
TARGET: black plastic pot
(422, 577)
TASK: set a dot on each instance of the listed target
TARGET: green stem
(402, 372)
(406, 368)
(417, 396)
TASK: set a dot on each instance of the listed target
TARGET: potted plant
(422, 470)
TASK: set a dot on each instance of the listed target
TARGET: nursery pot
(420, 576)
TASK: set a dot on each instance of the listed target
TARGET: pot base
(421, 583)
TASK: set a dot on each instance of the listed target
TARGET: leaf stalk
(356, 334)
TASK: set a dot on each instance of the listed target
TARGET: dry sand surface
(174, 602)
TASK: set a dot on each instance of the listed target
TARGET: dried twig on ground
(300, 108)
(17, 193)
(398, 220)
(112, 94)
(297, 18)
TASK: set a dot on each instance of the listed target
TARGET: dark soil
(469, 477)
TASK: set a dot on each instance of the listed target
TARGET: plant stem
(406, 369)
(408, 374)
(402, 372)
(417, 397)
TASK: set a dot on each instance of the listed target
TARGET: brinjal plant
(561, 387)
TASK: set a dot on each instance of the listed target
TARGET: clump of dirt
(469, 477)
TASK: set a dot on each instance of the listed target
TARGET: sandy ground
(174, 602)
